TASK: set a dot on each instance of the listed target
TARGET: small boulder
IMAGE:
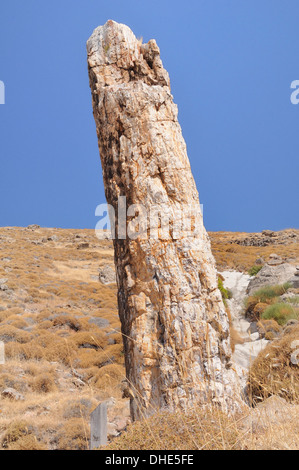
(82, 246)
(53, 238)
(268, 329)
(295, 279)
(271, 275)
(268, 233)
(12, 394)
(107, 275)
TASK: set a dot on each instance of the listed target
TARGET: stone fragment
(12, 394)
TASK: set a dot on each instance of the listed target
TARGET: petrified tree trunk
(174, 324)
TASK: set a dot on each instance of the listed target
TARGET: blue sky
(231, 63)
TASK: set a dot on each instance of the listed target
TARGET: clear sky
(231, 63)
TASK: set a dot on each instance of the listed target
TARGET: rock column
(174, 324)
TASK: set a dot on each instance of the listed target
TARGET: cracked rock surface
(174, 324)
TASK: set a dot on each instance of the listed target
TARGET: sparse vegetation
(254, 270)
(271, 292)
(226, 293)
(62, 337)
(64, 349)
(273, 373)
(281, 313)
(202, 429)
(259, 301)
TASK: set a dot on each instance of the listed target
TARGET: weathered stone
(107, 274)
(268, 233)
(12, 394)
(53, 238)
(99, 322)
(295, 282)
(174, 324)
(82, 246)
(271, 275)
(268, 237)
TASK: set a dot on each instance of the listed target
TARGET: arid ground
(63, 346)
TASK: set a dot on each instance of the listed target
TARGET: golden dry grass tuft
(201, 429)
(273, 373)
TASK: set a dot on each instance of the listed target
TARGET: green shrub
(226, 293)
(254, 270)
(281, 312)
(271, 292)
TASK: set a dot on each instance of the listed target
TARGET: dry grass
(64, 348)
(230, 255)
(58, 324)
(273, 373)
(272, 425)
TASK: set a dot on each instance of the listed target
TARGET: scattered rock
(121, 424)
(253, 328)
(82, 246)
(245, 354)
(271, 275)
(274, 260)
(268, 237)
(107, 274)
(268, 329)
(255, 336)
(112, 430)
(272, 411)
(295, 279)
(3, 285)
(12, 394)
(78, 382)
(53, 238)
(99, 322)
(268, 233)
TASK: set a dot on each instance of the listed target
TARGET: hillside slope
(59, 323)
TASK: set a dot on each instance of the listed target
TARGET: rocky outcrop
(272, 273)
(268, 237)
(295, 279)
(174, 324)
(107, 274)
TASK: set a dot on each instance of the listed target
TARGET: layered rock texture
(174, 324)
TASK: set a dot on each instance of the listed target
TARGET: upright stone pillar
(174, 324)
